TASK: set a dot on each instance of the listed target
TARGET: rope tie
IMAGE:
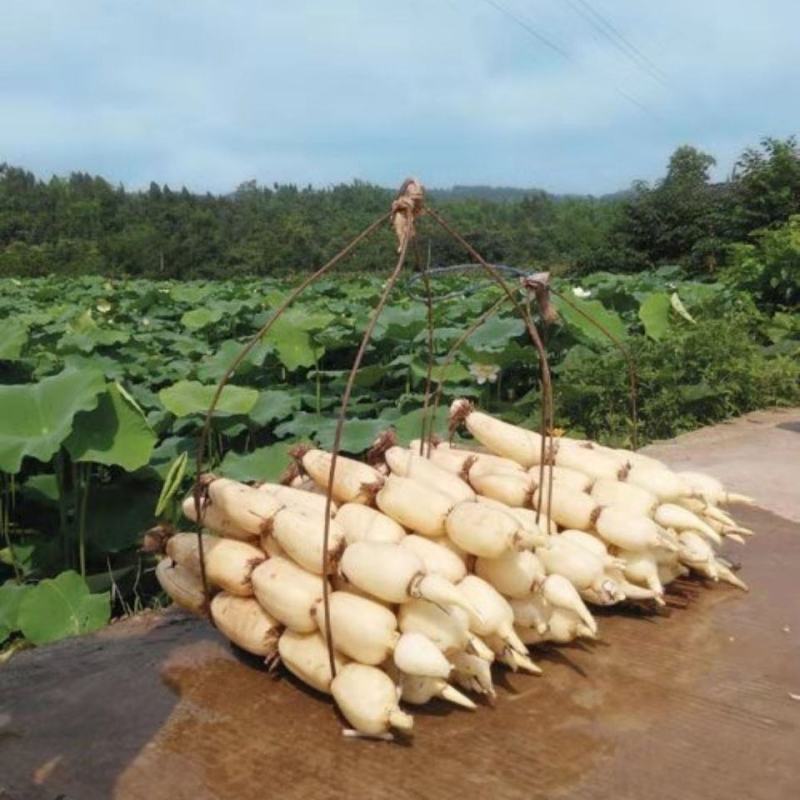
(539, 284)
(406, 207)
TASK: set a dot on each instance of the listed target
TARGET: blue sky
(210, 93)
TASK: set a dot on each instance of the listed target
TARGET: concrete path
(701, 704)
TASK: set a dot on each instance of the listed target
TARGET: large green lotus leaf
(693, 293)
(36, 418)
(443, 336)
(115, 433)
(60, 607)
(270, 301)
(118, 513)
(144, 396)
(402, 323)
(357, 434)
(198, 318)
(11, 597)
(83, 322)
(263, 464)
(654, 314)
(610, 320)
(302, 425)
(292, 344)
(13, 338)
(409, 426)
(112, 368)
(190, 293)
(190, 397)
(215, 366)
(495, 334)
(309, 320)
(338, 337)
(368, 376)
(274, 405)
(451, 373)
(90, 338)
(326, 400)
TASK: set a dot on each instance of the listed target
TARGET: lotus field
(104, 385)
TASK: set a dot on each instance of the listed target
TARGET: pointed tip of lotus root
(452, 695)
(524, 662)
(585, 632)
(480, 648)
(728, 576)
(400, 720)
(735, 497)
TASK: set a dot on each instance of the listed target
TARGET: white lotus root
(445, 563)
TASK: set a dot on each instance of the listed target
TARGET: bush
(701, 374)
(769, 269)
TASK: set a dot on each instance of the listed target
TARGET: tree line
(82, 224)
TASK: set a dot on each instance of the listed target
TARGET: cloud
(208, 94)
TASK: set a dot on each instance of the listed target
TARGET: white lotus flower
(485, 372)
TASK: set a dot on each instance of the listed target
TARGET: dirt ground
(703, 703)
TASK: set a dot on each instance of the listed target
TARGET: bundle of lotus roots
(442, 561)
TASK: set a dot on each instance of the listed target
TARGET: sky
(579, 96)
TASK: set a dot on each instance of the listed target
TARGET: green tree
(766, 185)
(677, 220)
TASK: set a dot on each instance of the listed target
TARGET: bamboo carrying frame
(407, 208)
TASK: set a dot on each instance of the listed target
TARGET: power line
(622, 43)
(640, 105)
(530, 29)
(526, 26)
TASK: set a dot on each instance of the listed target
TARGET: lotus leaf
(115, 433)
(36, 418)
(190, 397)
(60, 607)
(654, 314)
